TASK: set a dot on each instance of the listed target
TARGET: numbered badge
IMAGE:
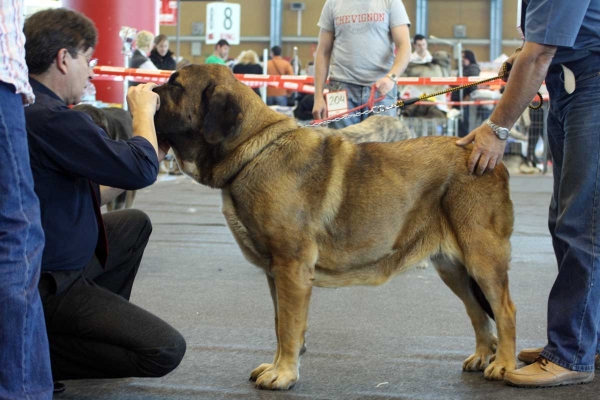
(337, 103)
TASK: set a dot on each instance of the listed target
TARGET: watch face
(503, 133)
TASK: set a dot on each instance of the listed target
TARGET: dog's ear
(222, 116)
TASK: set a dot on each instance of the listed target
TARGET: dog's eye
(177, 84)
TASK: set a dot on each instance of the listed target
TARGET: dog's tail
(481, 298)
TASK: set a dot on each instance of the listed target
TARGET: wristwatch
(499, 131)
(393, 77)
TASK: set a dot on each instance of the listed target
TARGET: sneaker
(528, 356)
(544, 373)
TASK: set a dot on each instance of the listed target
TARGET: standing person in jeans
(356, 50)
(562, 46)
(278, 66)
(90, 260)
(24, 358)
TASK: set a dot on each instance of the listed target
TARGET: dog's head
(206, 114)
(200, 99)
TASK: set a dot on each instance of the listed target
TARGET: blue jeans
(277, 101)
(24, 354)
(358, 95)
(574, 218)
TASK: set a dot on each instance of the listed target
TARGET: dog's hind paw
(277, 379)
(476, 362)
(259, 370)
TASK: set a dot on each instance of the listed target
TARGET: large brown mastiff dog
(314, 209)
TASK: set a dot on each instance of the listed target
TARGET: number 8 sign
(223, 22)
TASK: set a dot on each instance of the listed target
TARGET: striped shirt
(13, 69)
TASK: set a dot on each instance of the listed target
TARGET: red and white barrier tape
(297, 83)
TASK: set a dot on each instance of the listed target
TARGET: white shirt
(13, 69)
(417, 59)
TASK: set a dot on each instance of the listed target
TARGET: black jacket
(167, 62)
(137, 59)
(248, 69)
(471, 70)
(70, 156)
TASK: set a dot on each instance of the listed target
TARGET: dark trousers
(93, 329)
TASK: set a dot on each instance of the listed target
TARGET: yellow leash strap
(403, 103)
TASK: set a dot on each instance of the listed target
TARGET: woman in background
(161, 56)
(139, 59)
(247, 63)
(143, 44)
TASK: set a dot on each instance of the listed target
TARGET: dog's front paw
(259, 370)
(478, 361)
(277, 379)
(496, 370)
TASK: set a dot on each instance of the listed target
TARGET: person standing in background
(470, 68)
(356, 51)
(161, 56)
(143, 44)
(220, 54)
(24, 353)
(139, 59)
(278, 66)
(421, 55)
(247, 63)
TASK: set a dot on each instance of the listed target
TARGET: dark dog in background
(118, 125)
(378, 128)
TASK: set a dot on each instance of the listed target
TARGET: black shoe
(59, 387)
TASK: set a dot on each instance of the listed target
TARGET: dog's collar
(228, 181)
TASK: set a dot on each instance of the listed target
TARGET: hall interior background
(443, 15)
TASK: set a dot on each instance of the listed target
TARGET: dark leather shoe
(543, 373)
(59, 387)
(530, 355)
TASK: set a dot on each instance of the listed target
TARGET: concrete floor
(404, 340)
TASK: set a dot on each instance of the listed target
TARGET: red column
(109, 16)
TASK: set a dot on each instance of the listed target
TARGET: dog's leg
(482, 221)
(118, 202)
(293, 287)
(488, 266)
(129, 198)
(264, 367)
(454, 274)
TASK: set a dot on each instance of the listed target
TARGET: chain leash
(375, 110)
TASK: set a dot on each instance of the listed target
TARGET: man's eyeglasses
(91, 62)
